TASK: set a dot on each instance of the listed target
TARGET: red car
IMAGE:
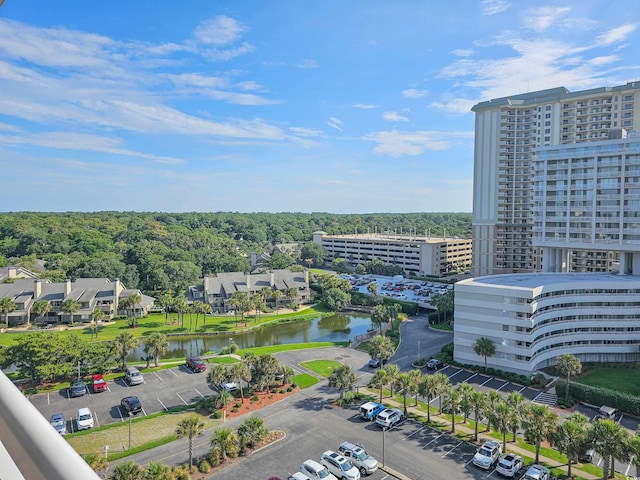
(99, 384)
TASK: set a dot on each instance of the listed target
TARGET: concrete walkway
(482, 437)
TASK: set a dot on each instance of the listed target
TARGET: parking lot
(161, 390)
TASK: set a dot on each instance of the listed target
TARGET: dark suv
(77, 388)
(195, 364)
(131, 405)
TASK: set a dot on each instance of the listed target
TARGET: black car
(375, 362)
(435, 364)
(77, 389)
(195, 364)
(131, 405)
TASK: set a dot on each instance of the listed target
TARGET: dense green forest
(160, 251)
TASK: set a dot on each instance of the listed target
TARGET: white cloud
(306, 132)
(394, 117)
(307, 64)
(616, 35)
(540, 19)
(456, 105)
(463, 52)
(219, 31)
(414, 93)
(335, 123)
(396, 144)
(365, 106)
(491, 7)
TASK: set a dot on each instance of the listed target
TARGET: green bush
(203, 466)
(217, 414)
(293, 385)
(274, 390)
(290, 389)
(597, 396)
(234, 348)
(254, 398)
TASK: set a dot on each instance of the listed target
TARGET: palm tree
(484, 347)
(372, 288)
(277, 294)
(500, 418)
(466, 392)
(442, 386)
(379, 317)
(217, 374)
(428, 388)
(343, 378)
(180, 305)
(134, 299)
(493, 399)
(572, 437)
(516, 402)
(205, 309)
(191, 427)
(292, 294)
(40, 308)
(165, 301)
(380, 379)
(197, 309)
(252, 431)
(258, 304)
(225, 443)
(70, 306)
(240, 371)
(540, 424)
(452, 400)
(157, 344)
(287, 374)
(96, 316)
(123, 344)
(157, 471)
(478, 402)
(568, 366)
(127, 471)
(381, 347)
(393, 372)
(404, 385)
(416, 377)
(610, 440)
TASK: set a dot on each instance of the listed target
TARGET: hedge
(600, 396)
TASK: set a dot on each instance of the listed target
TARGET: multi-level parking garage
(534, 318)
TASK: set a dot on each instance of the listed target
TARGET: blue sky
(274, 106)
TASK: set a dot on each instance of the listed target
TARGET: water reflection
(339, 327)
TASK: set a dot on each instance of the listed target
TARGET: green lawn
(613, 378)
(321, 367)
(304, 380)
(291, 346)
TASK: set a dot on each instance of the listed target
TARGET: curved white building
(535, 317)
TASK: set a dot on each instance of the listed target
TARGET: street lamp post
(230, 340)
(129, 431)
(384, 429)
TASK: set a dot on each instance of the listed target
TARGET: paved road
(418, 341)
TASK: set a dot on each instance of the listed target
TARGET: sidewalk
(482, 436)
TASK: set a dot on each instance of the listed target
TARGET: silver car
(133, 376)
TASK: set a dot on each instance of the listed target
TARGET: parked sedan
(131, 405)
(77, 389)
(509, 465)
(435, 364)
(59, 423)
(195, 364)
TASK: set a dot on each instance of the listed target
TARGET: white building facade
(421, 255)
(507, 132)
(534, 318)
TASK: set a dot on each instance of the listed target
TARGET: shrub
(625, 402)
(254, 398)
(234, 348)
(217, 414)
(293, 385)
(282, 390)
(274, 390)
(180, 473)
(235, 409)
(289, 389)
(203, 466)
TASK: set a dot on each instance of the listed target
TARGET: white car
(84, 419)
(229, 386)
(298, 476)
(359, 457)
(389, 417)
(487, 455)
(339, 466)
(537, 472)
(509, 465)
(315, 471)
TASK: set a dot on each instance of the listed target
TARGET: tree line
(162, 251)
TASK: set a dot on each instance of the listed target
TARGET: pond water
(338, 327)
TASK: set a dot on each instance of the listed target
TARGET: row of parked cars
(348, 463)
(381, 415)
(508, 465)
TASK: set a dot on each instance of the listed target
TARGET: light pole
(106, 452)
(230, 340)
(129, 431)
(384, 429)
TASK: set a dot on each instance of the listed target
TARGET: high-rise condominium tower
(508, 131)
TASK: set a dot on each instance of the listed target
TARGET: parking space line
(620, 419)
(171, 370)
(521, 389)
(145, 413)
(429, 443)
(505, 384)
(449, 451)
(163, 405)
(48, 402)
(490, 378)
(183, 400)
(95, 417)
(198, 392)
(492, 472)
(472, 377)
(453, 375)
(626, 472)
(156, 374)
(411, 435)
